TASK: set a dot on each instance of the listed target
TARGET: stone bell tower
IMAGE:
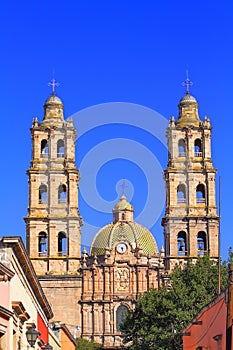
(53, 221)
(191, 223)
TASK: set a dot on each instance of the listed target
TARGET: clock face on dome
(121, 248)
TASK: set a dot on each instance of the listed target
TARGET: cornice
(5, 271)
(16, 243)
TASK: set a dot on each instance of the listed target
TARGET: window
(44, 149)
(197, 148)
(181, 193)
(43, 194)
(61, 243)
(60, 149)
(62, 194)
(42, 244)
(181, 148)
(201, 243)
(181, 243)
(123, 216)
(200, 193)
(120, 316)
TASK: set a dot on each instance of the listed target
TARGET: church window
(42, 244)
(181, 193)
(120, 316)
(123, 216)
(201, 243)
(181, 148)
(60, 149)
(62, 243)
(62, 194)
(181, 243)
(44, 149)
(197, 148)
(43, 194)
(200, 193)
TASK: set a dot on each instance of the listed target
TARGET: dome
(123, 204)
(53, 100)
(120, 231)
(187, 99)
(53, 111)
(188, 112)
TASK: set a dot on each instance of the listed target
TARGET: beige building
(124, 262)
(23, 302)
(191, 224)
(90, 293)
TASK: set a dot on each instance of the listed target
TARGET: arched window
(197, 148)
(61, 243)
(44, 149)
(123, 216)
(42, 244)
(60, 149)
(120, 316)
(200, 193)
(43, 194)
(181, 193)
(62, 194)
(181, 243)
(181, 148)
(201, 243)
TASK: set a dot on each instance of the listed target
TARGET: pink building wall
(208, 330)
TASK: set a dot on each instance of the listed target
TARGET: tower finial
(187, 83)
(123, 187)
(53, 83)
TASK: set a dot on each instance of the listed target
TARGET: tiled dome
(135, 234)
(123, 204)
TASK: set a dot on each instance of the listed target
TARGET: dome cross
(187, 83)
(123, 186)
(53, 83)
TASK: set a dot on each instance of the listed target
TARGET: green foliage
(83, 344)
(161, 315)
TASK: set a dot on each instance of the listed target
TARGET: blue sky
(113, 51)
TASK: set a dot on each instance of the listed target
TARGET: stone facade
(111, 284)
(90, 293)
(113, 281)
(190, 223)
(53, 221)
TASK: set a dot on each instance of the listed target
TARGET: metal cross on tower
(187, 83)
(53, 84)
(123, 187)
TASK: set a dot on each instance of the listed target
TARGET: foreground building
(212, 327)
(92, 292)
(208, 329)
(23, 302)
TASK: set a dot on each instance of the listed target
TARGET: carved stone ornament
(122, 279)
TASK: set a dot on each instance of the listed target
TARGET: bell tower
(53, 221)
(191, 223)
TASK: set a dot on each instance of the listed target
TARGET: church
(90, 291)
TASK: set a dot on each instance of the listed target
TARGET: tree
(84, 344)
(160, 315)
